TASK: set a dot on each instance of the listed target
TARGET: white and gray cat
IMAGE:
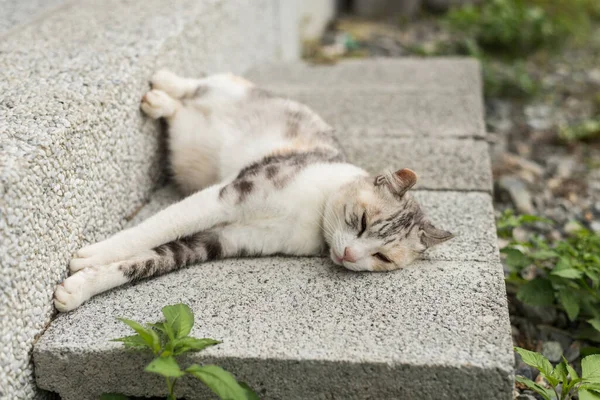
(264, 175)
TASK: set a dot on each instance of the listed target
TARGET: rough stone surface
(76, 156)
(15, 13)
(380, 112)
(301, 328)
(381, 97)
(452, 164)
(470, 217)
(357, 335)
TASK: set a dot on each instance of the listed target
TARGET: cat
(264, 175)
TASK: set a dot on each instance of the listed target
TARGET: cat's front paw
(158, 104)
(73, 291)
(95, 255)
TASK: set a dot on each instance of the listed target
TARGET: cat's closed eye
(382, 257)
(363, 224)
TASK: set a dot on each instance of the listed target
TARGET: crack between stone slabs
(485, 191)
(380, 88)
(478, 138)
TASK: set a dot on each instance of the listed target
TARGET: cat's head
(373, 224)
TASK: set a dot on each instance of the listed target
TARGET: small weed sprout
(169, 339)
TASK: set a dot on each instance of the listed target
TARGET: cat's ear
(398, 182)
(430, 235)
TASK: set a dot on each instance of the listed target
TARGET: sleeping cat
(264, 175)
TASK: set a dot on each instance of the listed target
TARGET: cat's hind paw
(158, 104)
(168, 82)
(73, 291)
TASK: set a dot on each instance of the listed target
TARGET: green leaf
(165, 366)
(179, 318)
(190, 344)
(543, 254)
(569, 273)
(570, 370)
(595, 323)
(133, 342)
(113, 396)
(536, 360)
(148, 335)
(588, 395)
(560, 372)
(515, 258)
(590, 368)
(547, 394)
(570, 303)
(595, 386)
(537, 292)
(563, 263)
(250, 394)
(221, 382)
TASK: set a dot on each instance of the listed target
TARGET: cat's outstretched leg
(228, 240)
(173, 84)
(198, 212)
(215, 88)
(195, 248)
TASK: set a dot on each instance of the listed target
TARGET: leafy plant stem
(170, 338)
(171, 387)
(591, 291)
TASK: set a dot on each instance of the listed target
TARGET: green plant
(170, 338)
(510, 27)
(503, 79)
(586, 130)
(507, 221)
(516, 28)
(565, 273)
(563, 379)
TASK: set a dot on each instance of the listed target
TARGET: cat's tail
(196, 248)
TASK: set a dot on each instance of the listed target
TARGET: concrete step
(373, 111)
(76, 155)
(300, 328)
(438, 75)
(363, 98)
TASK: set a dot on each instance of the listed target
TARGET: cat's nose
(349, 255)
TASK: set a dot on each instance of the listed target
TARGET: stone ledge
(388, 112)
(297, 328)
(439, 74)
(277, 316)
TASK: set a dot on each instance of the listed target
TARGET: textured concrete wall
(14, 13)
(76, 156)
